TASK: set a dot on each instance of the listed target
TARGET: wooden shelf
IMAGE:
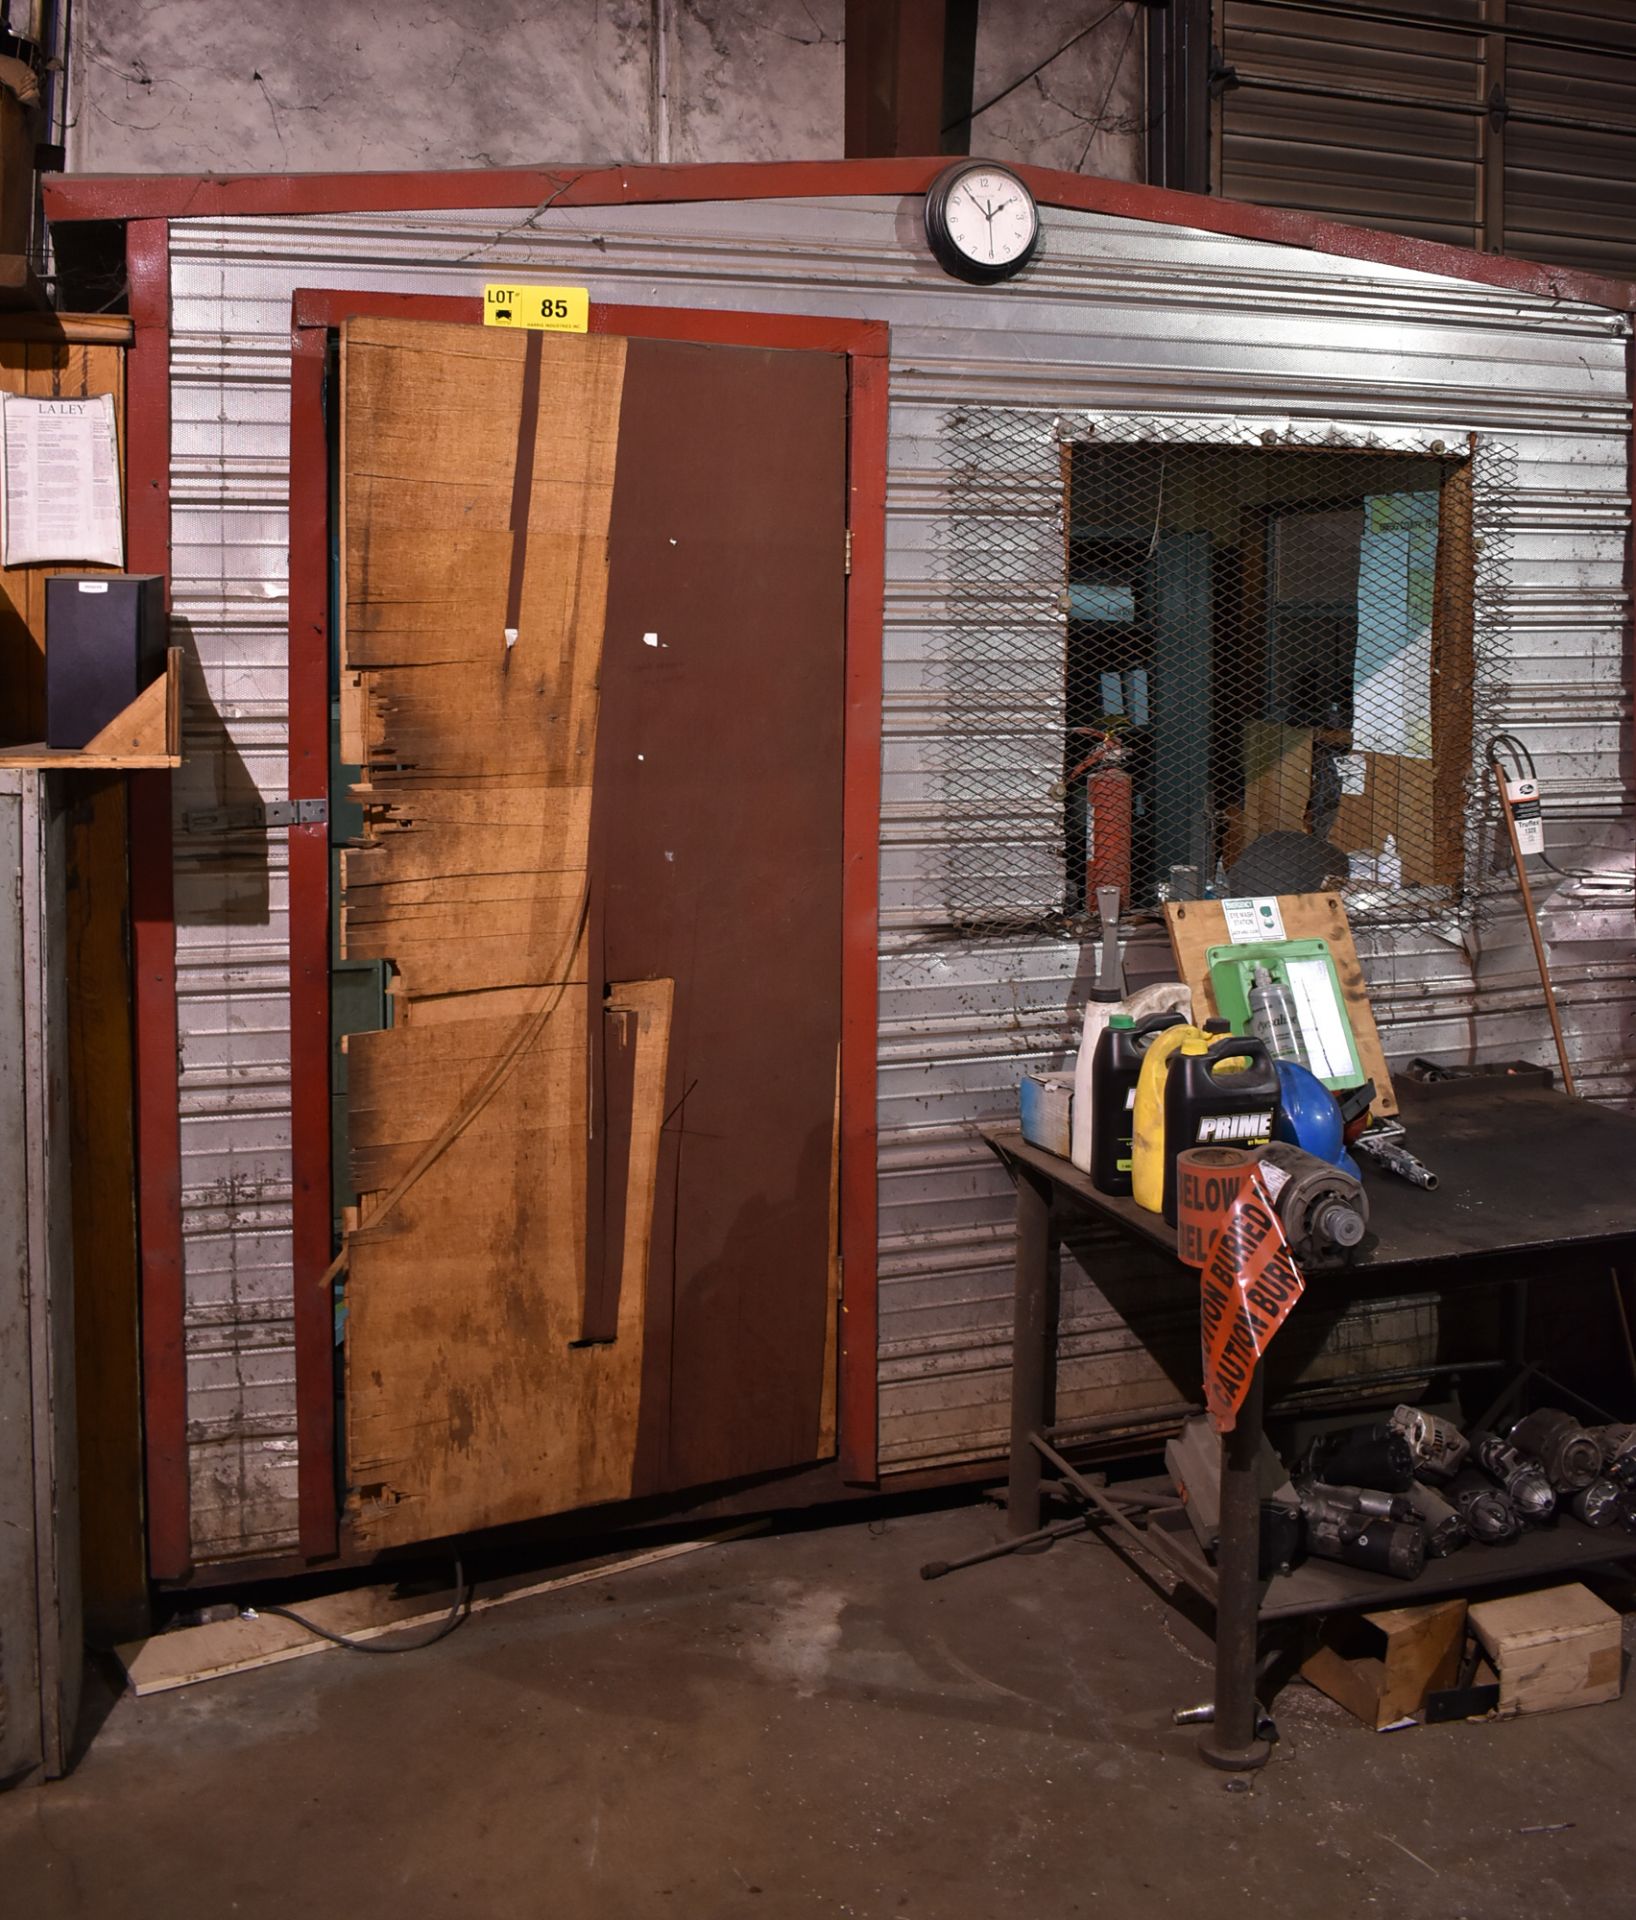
(147, 734)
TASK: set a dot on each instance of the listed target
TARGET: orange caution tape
(1250, 1282)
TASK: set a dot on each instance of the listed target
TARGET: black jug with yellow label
(1116, 1067)
(1211, 1104)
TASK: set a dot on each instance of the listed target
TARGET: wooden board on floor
(188, 1655)
(1197, 925)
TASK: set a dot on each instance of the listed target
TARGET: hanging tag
(1527, 816)
(547, 309)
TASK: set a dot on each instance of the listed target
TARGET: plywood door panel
(466, 1402)
(596, 1151)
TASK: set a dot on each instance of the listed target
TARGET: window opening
(1265, 673)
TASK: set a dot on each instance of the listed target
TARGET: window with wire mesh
(1178, 666)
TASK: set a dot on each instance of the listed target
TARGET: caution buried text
(1249, 1284)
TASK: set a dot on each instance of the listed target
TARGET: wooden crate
(1558, 1647)
(1381, 1666)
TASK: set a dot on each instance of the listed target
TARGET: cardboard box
(1380, 1666)
(1048, 1111)
(1558, 1647)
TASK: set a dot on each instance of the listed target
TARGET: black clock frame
(946, 252)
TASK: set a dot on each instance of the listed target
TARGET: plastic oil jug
(1115, 1069)
(1163, 996)
(1219, 1092)
(1147, 1159)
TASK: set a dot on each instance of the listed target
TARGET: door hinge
(849, 552)
(259, 817)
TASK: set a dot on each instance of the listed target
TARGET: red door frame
(153, 940)
(315, 312)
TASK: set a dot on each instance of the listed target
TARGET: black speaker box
(105, 638)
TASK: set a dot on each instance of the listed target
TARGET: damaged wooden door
(592, 671)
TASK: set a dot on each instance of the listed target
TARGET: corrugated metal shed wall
(1119, 316)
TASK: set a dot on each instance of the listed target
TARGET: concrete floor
(798, 1725)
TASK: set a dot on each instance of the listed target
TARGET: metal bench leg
(1230, 1741)
(1030, 1348)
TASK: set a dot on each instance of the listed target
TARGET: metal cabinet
(40, 1631)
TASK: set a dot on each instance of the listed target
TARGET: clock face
(981, 222)
(990, 218)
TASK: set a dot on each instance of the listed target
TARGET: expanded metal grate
(1182, 656)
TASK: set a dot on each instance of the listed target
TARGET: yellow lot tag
(554, 309)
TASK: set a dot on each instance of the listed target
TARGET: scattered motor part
(1489, 1516)
(1570, 1457)
(1322, 1208)
(1443, 1524)
(1627, 1512)
(1371, 1455)
(1438, 1445)
(1338, 1529)
(1618, 1444)
(1283, 1537)
(1523, 1480)
(1375, 1501)
(1396, 1158)
(1598, 1504)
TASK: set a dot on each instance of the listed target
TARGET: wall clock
(981, 222)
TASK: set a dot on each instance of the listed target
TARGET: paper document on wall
(61, 482)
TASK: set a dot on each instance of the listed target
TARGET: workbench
(1528, 1179)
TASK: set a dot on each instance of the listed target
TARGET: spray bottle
(1273, 1019)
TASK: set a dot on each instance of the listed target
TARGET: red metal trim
(1630, 535)
(153, 939)
(860, 949)
(865, 342)
(179, 196)
(314, 1313)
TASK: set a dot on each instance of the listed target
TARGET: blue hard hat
(1309, 1116)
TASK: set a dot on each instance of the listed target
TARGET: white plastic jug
(1164, 996)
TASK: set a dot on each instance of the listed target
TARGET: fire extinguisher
(1107, 813)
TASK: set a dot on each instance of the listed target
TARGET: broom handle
(1533, 933)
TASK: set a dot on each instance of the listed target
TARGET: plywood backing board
(1197, 925)
(42, 369)
(468, 1403)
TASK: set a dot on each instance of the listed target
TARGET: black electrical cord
(1005, 93)
(1508, 743)
(461, 1610)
